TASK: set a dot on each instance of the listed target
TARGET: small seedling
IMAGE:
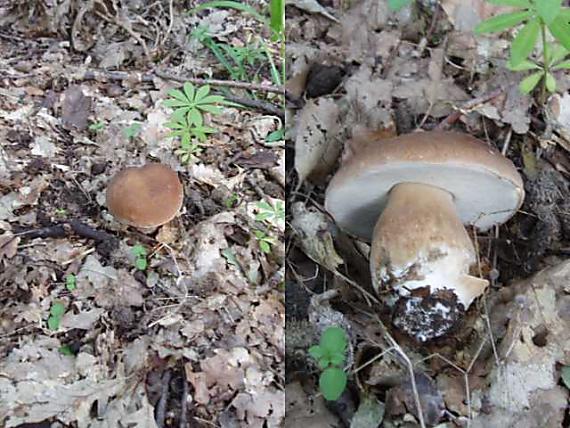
(272, 213)
(265, 242)
(70, 282)
(97, 126)
(66, 350)
(330, 355)
(537, 16)
(232, 200)
(397, 5)
(56, 312)
(139, 252)
(132, 130)
(60, 212)
(187, 120)
(275, 136)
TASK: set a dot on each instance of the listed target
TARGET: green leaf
(502, 22)
(212, 99)
(53, 323)
(179, 95)
(173, 103)
(560, 28)
(332, 383)
(189, 91)
(559, 52)
(277, 18)
(195, 117)
(334, 340)
(396, 5)
(548, 9)
(513, 3)
(563, 65)
(565, 375)
(265, 247)
(138, 250)
(57, 309)
(524, 66)
(141, 263)
(202, 93)
(530, 82)
(316, 352)
(524, 42)
(275, 136)
(324, 362)
(70, 282)
(66, 350)
(550, 83)
(338, 359)
(230, 256)
(210, 108)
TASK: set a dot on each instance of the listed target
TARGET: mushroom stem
(420, 248)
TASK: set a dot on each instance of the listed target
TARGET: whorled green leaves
(524, 42)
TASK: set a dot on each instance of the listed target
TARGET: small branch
(469, 105)
(161, 406)
(67, 228)
(184, 403)
(264, 106)
(226, 83)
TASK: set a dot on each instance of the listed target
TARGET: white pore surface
(481, 197)
(446, 272)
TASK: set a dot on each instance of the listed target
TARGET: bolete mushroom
(411, 197)
(145, 197)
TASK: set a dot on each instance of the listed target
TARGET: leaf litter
(423, 68)
(192, 340)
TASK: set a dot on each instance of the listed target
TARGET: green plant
(132, 130)
(139, 252)
(70, 282)
(56, 312)
(232, 200)
(537, 16)
(275, 136)
(265, 241)
(234, 58)
(187, 120)
(97, 126)
(272, 213)
(396, 5)
(330, 355)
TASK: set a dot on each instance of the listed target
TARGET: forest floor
(357, 66)
(104, 325)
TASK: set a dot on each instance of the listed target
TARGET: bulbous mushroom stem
(420, 258)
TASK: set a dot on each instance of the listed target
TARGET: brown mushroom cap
(147, 196)
(486, 187)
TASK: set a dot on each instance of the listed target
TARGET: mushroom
(411, 197)
(145, 197)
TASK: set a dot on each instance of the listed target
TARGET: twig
(184, 403)
(64, 229)
(216, 82)
(161, 406)
(263, 106)
(469, 105)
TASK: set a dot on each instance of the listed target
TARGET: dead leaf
(317, 145)
(312, 229)
(75, 108)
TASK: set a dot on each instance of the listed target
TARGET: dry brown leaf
(317, 145)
